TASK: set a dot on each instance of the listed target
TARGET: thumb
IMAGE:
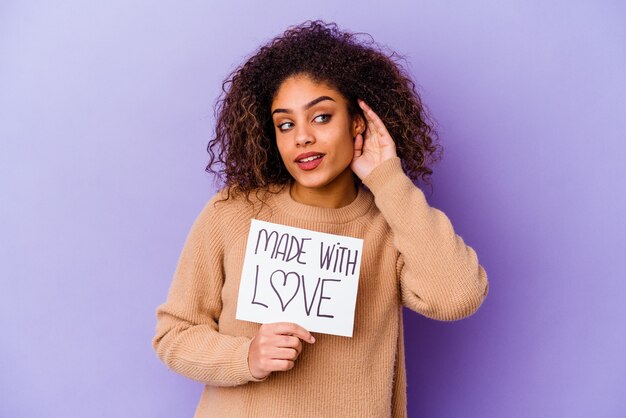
(358, 146)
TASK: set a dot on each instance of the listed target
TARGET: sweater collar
(357, 208)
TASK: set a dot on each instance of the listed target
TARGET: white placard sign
(297, 275)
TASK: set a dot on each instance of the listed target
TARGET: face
(314, 133)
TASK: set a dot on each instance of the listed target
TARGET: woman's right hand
(276, 347)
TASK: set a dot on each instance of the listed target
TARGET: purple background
(105, 111)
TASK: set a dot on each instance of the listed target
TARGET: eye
(322, 118)
(285, 126)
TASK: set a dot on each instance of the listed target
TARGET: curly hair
(243, 153)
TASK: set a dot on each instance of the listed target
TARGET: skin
(311, 116)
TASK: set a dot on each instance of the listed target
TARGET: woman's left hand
(376, 147)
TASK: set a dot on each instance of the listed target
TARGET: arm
(187, 336)
(440, 276)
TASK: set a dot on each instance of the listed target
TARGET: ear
(358, 125)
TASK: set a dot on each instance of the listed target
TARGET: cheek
(347, 145)
(281, 149)
(285, 160)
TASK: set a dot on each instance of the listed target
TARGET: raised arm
(439, 275)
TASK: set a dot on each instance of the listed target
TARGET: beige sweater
(411, 256)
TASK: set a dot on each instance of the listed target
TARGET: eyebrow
(306, 106)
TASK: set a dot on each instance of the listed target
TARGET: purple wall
(105, 111)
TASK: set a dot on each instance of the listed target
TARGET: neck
(339, 193)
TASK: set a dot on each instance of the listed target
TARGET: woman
(319, 131)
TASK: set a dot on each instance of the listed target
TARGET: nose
(304, 136)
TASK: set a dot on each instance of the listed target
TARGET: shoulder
(228, 210)
(224, 205)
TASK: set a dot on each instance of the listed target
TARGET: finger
(284, 341)
(289, 328)
(373, 119)
(358, 145)
(289, 341)
(279, 353)
(280, 365)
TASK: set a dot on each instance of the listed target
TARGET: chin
(311, 183)
(320, 179)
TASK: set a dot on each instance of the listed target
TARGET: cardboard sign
(301, 276)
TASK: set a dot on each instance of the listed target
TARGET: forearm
(200, 352)
(440, 276)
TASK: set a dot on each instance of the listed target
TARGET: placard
(298, 275)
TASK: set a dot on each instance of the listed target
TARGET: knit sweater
(411, 256)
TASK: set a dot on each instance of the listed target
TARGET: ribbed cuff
(380, 176)
(241, 358)
(395, 194)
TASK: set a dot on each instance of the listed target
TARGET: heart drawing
(283, 289)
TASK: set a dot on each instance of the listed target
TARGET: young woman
(321, 131)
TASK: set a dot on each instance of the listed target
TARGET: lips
(309, 160)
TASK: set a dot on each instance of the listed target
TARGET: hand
(376, 147)
(276, 347)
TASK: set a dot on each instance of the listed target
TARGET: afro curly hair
(243, 153)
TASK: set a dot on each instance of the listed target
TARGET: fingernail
(312, 339)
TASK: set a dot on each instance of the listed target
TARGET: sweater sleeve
(439, 275)
(187, 336)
